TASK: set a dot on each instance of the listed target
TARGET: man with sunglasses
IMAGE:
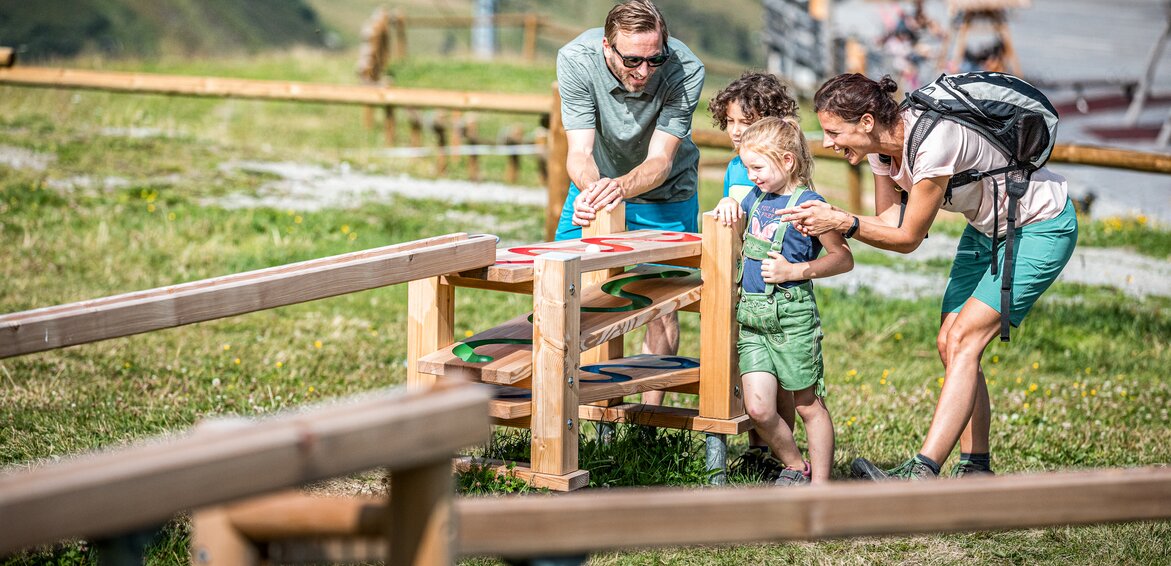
(628, 92)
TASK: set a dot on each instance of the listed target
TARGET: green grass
(1082, 384)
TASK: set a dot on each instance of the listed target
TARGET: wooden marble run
(563, 363)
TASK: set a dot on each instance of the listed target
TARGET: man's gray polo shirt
(592, 98)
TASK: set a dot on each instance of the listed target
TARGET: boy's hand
(778, 269)
(728, 211)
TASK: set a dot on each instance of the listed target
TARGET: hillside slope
(65, 28)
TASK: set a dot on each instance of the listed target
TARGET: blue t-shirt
(736, 183)
(797, 247)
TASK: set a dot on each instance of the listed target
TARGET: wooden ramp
(503, 355)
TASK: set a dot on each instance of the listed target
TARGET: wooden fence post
(854, 183)
(7, 57)
(719, 374)
(556, 362)
(530, 37)
(557, 182)
(440, 126)
(471, 135)
(514, 136)
(388, 125)
(415, 121)
(400, 35)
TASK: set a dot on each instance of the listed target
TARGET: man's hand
(778, 269)
(583, 213)
(605, 194)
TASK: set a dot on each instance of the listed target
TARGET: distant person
(780, 328)
(862, 120)
(739, 105)
(628, 91)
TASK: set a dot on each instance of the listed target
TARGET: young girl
(780, 333)
(736, 107)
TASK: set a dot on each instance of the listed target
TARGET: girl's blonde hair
(773, 137)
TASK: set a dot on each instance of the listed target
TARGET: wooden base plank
(664, 417)
(571, 481)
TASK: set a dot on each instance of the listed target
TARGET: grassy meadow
(104, 193)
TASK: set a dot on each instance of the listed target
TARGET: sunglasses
(631, 62)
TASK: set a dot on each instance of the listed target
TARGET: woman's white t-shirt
(950, 149)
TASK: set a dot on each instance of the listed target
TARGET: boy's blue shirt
(797, 247)
(736, 183)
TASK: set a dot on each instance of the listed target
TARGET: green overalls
(780, 329)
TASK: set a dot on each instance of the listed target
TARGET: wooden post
(530, 48)
(388, 125)
(419, 528)
(854, 182)
(430, 325)
(215, 541)
(471, 135)
(400, 35)
(439, 126)
(719, 373)
(415, 120)
(556, 362)
(557, 183)
(855, 56)
(606, 223)
(7, 57)
(512, 166)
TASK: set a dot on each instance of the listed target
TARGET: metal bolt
(736, 391)
(570, 380)
(572, 289)
(569, 424)
(203, 556)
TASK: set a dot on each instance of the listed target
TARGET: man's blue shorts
(1042, 250)
(682, 216)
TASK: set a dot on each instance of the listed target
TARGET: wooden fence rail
(142, 486)
(615, 519)
(167, 307)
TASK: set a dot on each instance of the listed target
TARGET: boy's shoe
(757, 463)
(913, 470)
(966, 468)
(789, 477)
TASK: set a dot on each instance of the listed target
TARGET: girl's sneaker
(789, 476)
(912, 469)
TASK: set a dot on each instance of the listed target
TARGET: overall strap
(781, 229)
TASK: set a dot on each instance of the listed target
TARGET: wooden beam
(112, 492)
(639, 518)
(571, 481)
(556, 359)
(215, 541)
(719, 375)
(219, 87)
(168, 307)
(7, 57)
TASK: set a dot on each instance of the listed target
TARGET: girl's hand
(728, 211)
(813, 217)
(778, 269)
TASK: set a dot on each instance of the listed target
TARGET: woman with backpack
(862, 120)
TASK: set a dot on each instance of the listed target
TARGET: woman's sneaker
(966, 468)
(912, 469)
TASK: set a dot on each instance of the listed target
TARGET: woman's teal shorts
(1042, 250)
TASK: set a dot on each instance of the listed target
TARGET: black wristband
(853, 228)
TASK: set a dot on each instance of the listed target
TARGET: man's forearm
(582, 170)
(649, 175)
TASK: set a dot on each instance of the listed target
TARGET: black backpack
(1012, 115)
